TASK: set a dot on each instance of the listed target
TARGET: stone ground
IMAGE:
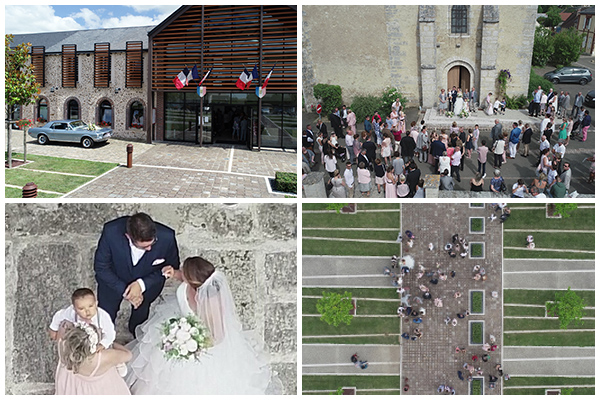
(166, 169)
(432, 361)
(520, 167)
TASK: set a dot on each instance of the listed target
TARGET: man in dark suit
(336, 122)
(128, 263)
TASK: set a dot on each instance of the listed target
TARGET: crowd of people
(389, 153)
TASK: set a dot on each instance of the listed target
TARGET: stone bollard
(30, 190)
(129, 155)
(314, 185)
(432, 186)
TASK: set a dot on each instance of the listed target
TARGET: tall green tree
(335, 308)
(553, 18)
(543, 47)
(567, 47)
(20, 86)
(568, 306)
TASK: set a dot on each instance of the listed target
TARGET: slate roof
(85, 39)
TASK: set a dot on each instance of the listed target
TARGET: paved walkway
(549, 361)
(174, 170)
(350, 271)
(334, 359)
(432, 361)
(549, 274)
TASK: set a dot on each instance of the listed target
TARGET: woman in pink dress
(84, 371)
(394, 118)
(401, 120)
(390, 183)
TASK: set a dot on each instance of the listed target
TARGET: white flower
(191, 346)
(185, 326)
(194, 331)
(183, 336)
(182, 320)
(183, 351)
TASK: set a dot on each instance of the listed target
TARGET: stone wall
(421, 49)
(50, 250)
(89, 97)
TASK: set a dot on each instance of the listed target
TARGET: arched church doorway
(460, 77)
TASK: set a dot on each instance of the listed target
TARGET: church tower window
(459, 19)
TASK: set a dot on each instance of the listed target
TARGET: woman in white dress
(235, 364)
(460, 103)
(489, 104)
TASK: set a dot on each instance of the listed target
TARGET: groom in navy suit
(129, 259)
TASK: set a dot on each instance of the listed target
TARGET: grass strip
(565, 240)
(315, 206)
(547, 381)
(14, 193)
(477, 224)
(313, 326)
(44, 181)
(360, 220)
(333, 382)
(355, 340)
(386, 393)
(364, 235)
(582, 218)
(513, 311)
(567, 338)
(356, 292)
(59, 164)
(533, 254)
(379, 206)
(477, 302)
(542, 391)
(365, 307)
(477, 387)
(539, 324)
(524, 296)
(476, 333)
(334, 248)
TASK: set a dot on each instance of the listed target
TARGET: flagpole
(201, 69)
(260, 44)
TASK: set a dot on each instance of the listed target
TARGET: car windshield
(77, 124)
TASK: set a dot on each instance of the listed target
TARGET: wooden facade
(134, 64)
(38, 60)
(101, 65)
(69, 65)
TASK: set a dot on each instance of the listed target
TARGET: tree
(543, 47)
(553, 18)
(564, 209)
(335, 308)
(568, 306)
(567, 47)
(330, 96)
(20, 86)
(336, 206)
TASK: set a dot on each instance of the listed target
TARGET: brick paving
(432, 361)
(173, 170)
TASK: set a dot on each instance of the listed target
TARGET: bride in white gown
(236, 364)
(460, 103)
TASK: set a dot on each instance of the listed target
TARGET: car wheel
(555, 80)
(42, 139)
(87, 142)
(583, 81)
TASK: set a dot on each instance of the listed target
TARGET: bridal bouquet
(184, 338)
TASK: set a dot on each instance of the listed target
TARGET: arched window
(73, 109)
(105, 114)
(42, 110)
(136, 112)
(459, 19)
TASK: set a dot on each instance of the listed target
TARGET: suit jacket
(336, 121)
(322, 128)
(114, 267)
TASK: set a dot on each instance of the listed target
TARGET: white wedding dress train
(236, 364)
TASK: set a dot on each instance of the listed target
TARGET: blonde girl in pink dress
(394, 118)
(84, 371)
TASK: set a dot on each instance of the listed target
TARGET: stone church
(418, 49)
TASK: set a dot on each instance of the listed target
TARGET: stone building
(123, 77)
(49, 250)
(417, 49)
(94, 75)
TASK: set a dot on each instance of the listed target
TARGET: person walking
(498, 149)
(587, 121)
(526, 140)
(577, 104)
(513, 140)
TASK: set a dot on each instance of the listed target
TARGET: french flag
(254, 76)
(268, 77)
(244, 79)
(180, 80)
(206, 76)
(192, 74)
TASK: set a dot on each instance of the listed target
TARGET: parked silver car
(70, 130)
(579, 75)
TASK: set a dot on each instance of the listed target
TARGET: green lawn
(521, 296)
(10, 192)
(582, 218)
(313, 326)
(476, 333)
(356, 340)
(508, 253)
(477, 224)
(332, 382)
(573, 241)
(567, 338)
(477, 387)
(58, 164)
(360, 220)
(542, 391)
(539, 324)
(477, 302)
(386, 393)
(44, 181)
(340, 233)
(365, 307)
(356, 292)
(316, 206)
(514, 311)
(547, 381)
(331, 247)
(379, 206)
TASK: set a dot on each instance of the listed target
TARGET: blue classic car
(70, 130)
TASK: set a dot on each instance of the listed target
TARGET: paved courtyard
(432, 360)
(173, 170)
